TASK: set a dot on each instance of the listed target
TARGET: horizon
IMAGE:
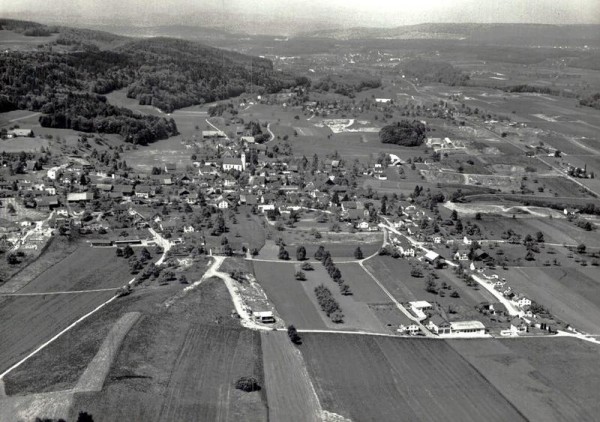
(286, 17)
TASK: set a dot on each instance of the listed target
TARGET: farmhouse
(19, 132)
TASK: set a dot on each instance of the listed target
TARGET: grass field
(29, 321)
(181, 362)
(86, 268)
(369, 378)
(23, 144)
(289, 389)
(546, 379)
(569, 294)
(289, 296)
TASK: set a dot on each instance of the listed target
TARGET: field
(181, 362)
(290, 393)
(23, 144)
(546, 379)
(394, 274)
(28, 321)
(370, 378)
(569, 294)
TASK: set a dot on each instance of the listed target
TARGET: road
(270, 133)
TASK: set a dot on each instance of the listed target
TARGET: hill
(498, 33)
(67, 81)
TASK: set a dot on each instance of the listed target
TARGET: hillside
(67, 79)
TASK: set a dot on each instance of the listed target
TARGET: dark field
(369, 378)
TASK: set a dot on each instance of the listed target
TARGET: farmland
(569, 294)
(386, 379)
(536, 375)
(181, 361)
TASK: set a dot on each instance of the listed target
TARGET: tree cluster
(328, 304)
(403, 133)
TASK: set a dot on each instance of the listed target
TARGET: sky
(299, 15)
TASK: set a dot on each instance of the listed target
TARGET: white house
(53, 173)
(411, 329)
(522, 301)
(238, 164)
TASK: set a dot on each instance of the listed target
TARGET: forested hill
(66, 80)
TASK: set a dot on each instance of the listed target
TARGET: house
(522, 301)
(207, 134)
(47, 203)
(223, 204)
(248, 139)
(144, 191)
(53, 173)
(238, 164)
(19, 132)
(461, 256)
(517, 325)
(433, 258)
(467, 328)
(265, 317)
(411, 329)
(439, 325)
(124, 190)
(419, 307)
(80, 197)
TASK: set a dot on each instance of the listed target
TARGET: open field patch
(546, 379)
(288, 295)
(290, 393)
(569, 295)
(370, 378)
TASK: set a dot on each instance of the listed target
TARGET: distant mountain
(505, 34)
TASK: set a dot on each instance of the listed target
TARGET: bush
(293, 335)
(247, 384)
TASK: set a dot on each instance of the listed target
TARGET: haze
(286, 16)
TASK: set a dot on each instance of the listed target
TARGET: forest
(404, 133)
(68, 86)
(432, 71)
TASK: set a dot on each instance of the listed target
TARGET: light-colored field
(370, 378)
(567, 293)
(290, 393)
(546, 379)
(23, 144)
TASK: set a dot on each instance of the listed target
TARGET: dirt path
(95, 373)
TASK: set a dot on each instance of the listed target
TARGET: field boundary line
(112, 289)
(55, 337)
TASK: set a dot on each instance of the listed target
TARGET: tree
(301, 253)
(300, 276)
(145, 255)
(416, 272)
(283, 254)
(11, 209)
(539, 237)
(12, 259)
(128, 252)
(358, 253)
(454, 215)
(293, 335)
(345, 289)
(529, 256)
(431, 286)
(306, 266)
(119, 252)
(581, 248)
(320, 253)
(85, 417)
(247, 384)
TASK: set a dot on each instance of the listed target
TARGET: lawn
(370, 378)
(546, 379)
